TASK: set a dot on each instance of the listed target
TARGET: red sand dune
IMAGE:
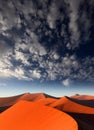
(82, 97)
(83, 100)
(26, 115)
(79, 107)
(8, 101)
(46, 101)
(66, 105)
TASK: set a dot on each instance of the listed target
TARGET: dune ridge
(9, 101)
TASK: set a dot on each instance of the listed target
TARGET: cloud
(36, 18)
(35, 74)
(86, 70)
(86, 20)
(19, 71)
(40, 48)
(66, 82)
(51, 75)
(70, 62)
(35, 47)
(4, 48)
(8, 15)
(73, 12)
(20, 56)
(54, 55)
(52, 15)
(39, 64)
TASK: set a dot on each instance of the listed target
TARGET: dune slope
(79, 109)
(85, 121)
(66, 105)
(26, 115)
(89, 103)
(47, 101)
(9, 101)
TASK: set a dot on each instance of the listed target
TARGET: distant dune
(8, 101)
(65, 104)
(82, 97)
(39, 111)
(82, 101)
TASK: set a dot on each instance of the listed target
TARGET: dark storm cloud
(45, 36)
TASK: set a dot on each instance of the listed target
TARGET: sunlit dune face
(46, 101)
(32, 97)
(34, 116)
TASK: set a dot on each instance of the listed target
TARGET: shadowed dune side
(8, 101)
(49, 96)
(89, 103)
(66, 105)
(26, 115)
(85, 121)
(4, 108)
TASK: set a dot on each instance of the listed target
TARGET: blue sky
(46, 46)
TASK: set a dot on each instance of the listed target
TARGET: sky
(46, 46)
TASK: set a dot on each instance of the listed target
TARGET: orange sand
(26, 115)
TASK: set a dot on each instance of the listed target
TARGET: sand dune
(9, 101)
(42, 98)
(46, 101)
(26, 115)
(66, 105)
(40, 111)
(82, 97)
(89, 103)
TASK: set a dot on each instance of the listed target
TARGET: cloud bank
(38, 40)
